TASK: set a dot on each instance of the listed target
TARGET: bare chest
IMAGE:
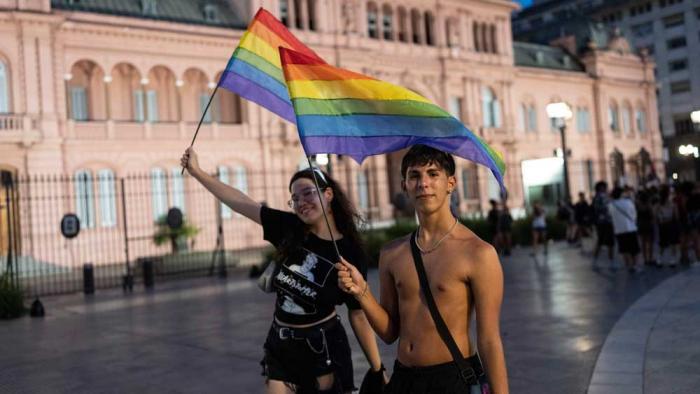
(447, 277)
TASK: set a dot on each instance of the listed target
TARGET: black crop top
(307, 282)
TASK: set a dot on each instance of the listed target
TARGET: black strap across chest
(465, 369)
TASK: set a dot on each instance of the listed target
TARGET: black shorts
(299, 356)
(627, 243)
(606, 236)
(442, 378)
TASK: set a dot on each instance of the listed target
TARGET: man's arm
(382, 317)
(487, 284)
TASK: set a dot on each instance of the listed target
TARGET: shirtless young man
(464, 275)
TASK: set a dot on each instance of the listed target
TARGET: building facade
(668, 31)
(99, 90)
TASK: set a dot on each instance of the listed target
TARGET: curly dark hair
(346, 217)
(420, 155)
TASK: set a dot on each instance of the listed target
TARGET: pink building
(99, 90)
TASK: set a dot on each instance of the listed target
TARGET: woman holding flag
(306, 350)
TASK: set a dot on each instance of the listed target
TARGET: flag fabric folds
(343, 112)
(254, 71)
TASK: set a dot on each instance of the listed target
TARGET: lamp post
(560, 113)
(695, 117)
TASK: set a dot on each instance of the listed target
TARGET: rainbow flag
(254, 71)
(343, 112)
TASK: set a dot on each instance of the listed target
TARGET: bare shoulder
(395, 247)
(480, 253)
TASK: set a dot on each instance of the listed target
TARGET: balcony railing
(18, 128)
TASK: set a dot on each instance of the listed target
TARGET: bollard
(88, 279)
(148, 273)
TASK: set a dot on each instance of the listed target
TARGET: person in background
(492, 219)
(645, 226)
(624, 219)
(669, 228)
(603, 223)
(582, 217)
(505, 229)
(539, 229)
(693, 206)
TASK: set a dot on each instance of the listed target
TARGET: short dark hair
(617, 193)
(420, 155)
(601, 186)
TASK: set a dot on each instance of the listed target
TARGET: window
(78, 101)
(491, 108)
(403, 25)
(613, 118)
(159, 196)
(284, 12)
(210, 13)
(523, 118)
(4, 89)
(455, 106)
(680, 87)
(643, 29)
(107, 198)
(682, 124)
(667, 3)
(152, 105)
(149, 7)
(678, 42)
(177, 188)
(416, 26)
(226, 212)
(532, 119)
(298, 22)
(203, 100)
(138, 106)
(362, 191)
(640, 9)
(372, 30)
(626, 118)
(678, 65)
(640, 120)
(311, 6)
(387, 28)
(674, 20)
(583, 120)
(465, 183)
(84, 199)
(470, 188)
(429, 25)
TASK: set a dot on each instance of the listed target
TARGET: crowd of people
(659, 223)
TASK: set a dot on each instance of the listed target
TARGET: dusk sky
(525, 3)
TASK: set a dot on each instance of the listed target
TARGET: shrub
(177, 237)
(11, 299)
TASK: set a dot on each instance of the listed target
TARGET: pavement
(567, 328)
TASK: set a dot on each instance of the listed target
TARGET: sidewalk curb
(620, 364)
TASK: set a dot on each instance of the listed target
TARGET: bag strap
(465, 370)
(618, 209)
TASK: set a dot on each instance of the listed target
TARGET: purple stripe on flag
(255, 93)
(360, 147)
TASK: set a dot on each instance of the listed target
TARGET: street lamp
(560, 113)
(695, 117)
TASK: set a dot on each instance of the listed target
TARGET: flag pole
(204, 113)
(323, 209)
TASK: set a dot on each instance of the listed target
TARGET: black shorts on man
(437, 379)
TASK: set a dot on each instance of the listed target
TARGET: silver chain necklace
(436, 244)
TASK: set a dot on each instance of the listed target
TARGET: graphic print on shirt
(299, 283)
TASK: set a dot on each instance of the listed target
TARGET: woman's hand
(189, 160)
(350, 280)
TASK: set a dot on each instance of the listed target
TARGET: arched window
(107, 198)
(640, 117)
(476, 35)
(126, 94)
(177, 188)
(429, 28)
(613, 117)
(403, 25)
(4, 89)
(416, 26)
(626, 120)
(311, 6)
(298, 19)
(583, 120)
(491, 108)
(528, 117)
(84, 198)
(494, 39)
(284, 12)
(372, 16)
(85, 91)
(159, 195)
(195, 96)
(387, 22)
(452, 33)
